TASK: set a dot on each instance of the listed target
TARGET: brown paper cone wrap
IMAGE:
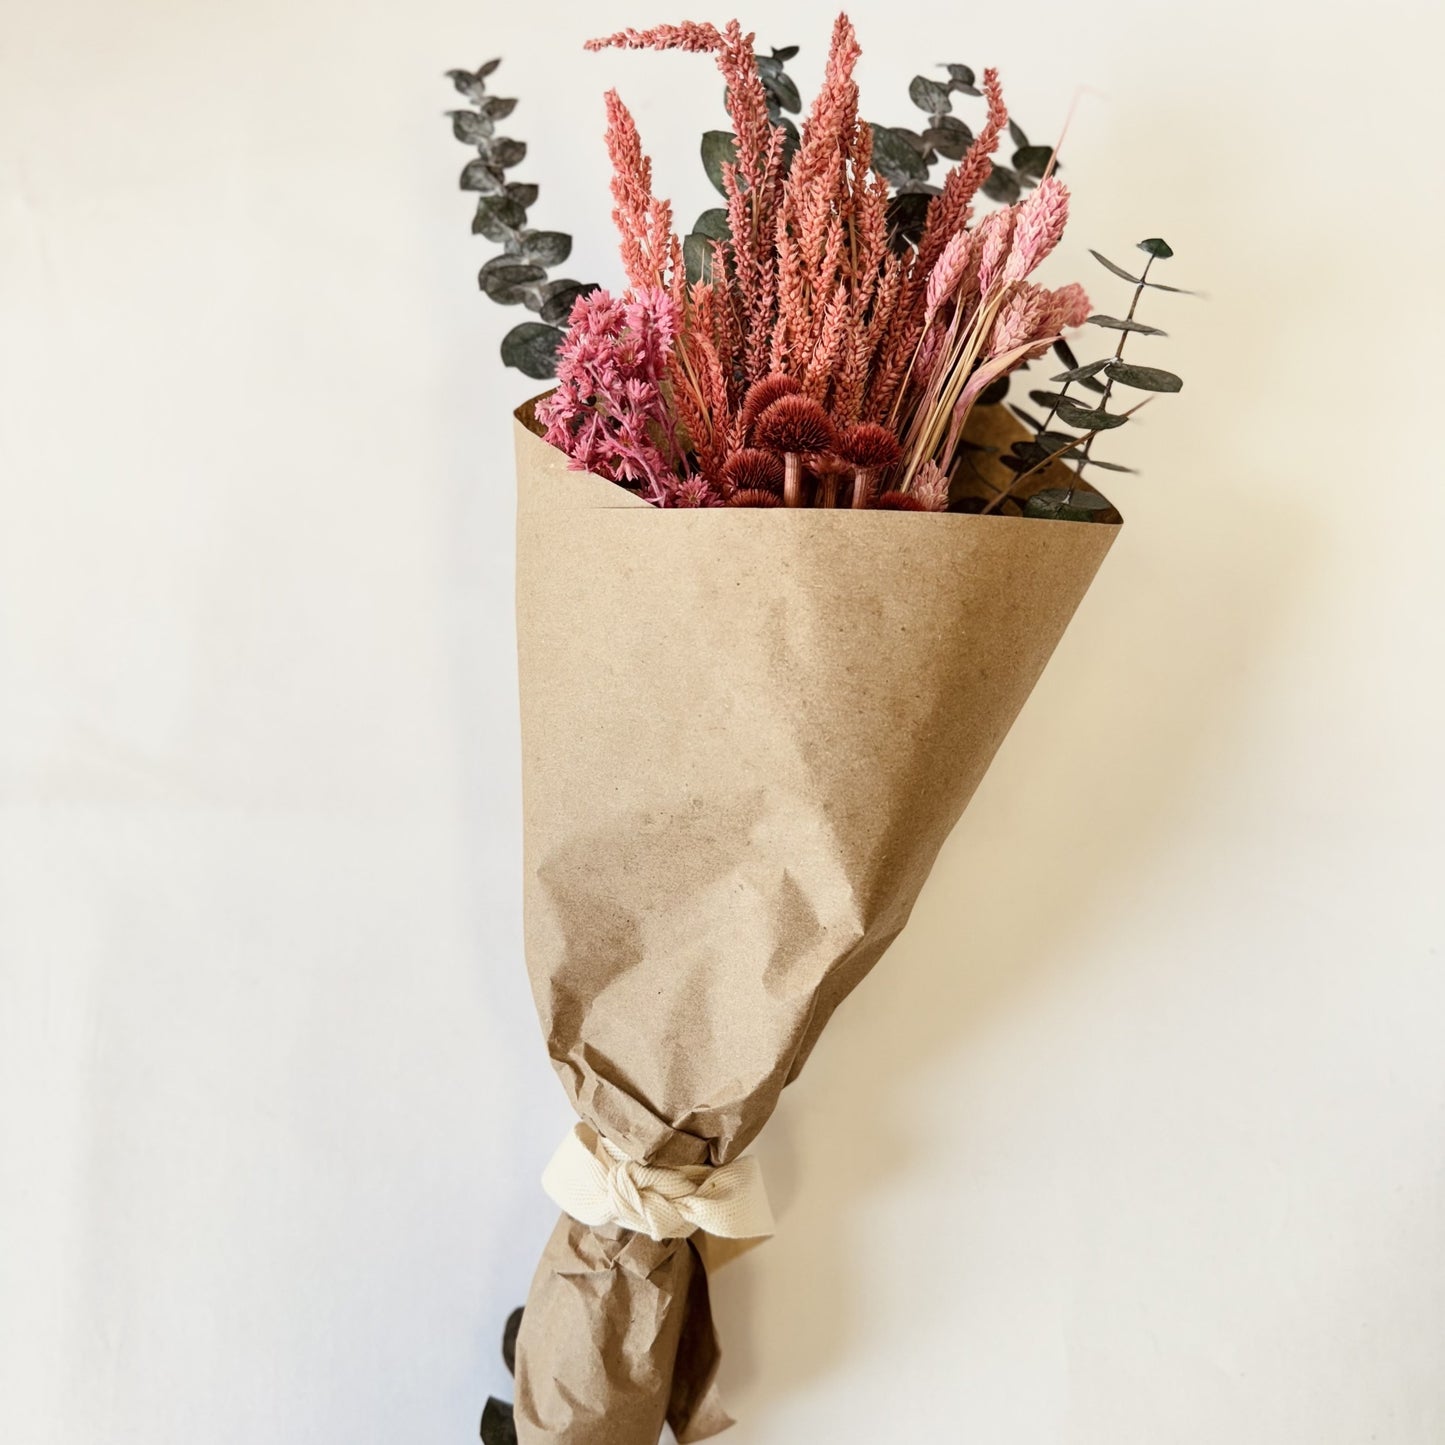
(746, 733)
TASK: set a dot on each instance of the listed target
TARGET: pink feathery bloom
(930, 486)
(947, 273)
(694, 492)
(1038, 227)
(609, 413)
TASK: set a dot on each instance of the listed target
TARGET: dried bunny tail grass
(930, 486)
(754, 499)
(753, 470)
(651, 253)
(1068, 307)
(1020, 318)
(899, 502)
(869, 445)
(762, 394)
(995, 233)
(944, 279)
(795, 424)
(1038, 227)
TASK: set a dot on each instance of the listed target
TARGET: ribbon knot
(599, 1184)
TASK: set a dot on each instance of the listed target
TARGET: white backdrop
(1166, 1032)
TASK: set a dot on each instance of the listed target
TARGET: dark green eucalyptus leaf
(895, 157)
(791, 141)
(719, 149)
(994, 392)
(913, 138)
(1033, 161)
(1002, 185)
(714, 224)
(546, 248)
(469, 127)
(1108, 466)
(907, 213)
(559, 297)
(1092, 383)
(1108, 265)
(785, 53)
(1027, 417)
(1086, 418)
(1065, 353)
(496, 107)
(509, 1340)
(1175, 290)
(497, 218)
(523, 193)
(697, 257)
(505, 152)
(1157, 247)
(498, 1426)
(507, 285)
(930, 96)
(1057, 441)
(918, 188)
(487, 67)
(468, 84)
(1115, 323)
(1143, 378)
(950, 137)
(532, 349)
(1046, 398)
(480, 175)
(1078, 373)
(768, 65)
(1016, 464)
(960, 74)
(1067, 504)
(1017, 132)
(783, 90)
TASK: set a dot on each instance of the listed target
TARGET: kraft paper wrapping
(746, 733)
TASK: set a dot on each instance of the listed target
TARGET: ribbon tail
(695, 1410)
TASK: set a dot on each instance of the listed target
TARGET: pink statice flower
(609, 413)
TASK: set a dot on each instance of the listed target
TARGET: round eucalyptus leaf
(485, 69)
(1115, 323)
(546, 248)
(559, 297)
(1144, 378)
(522, 192)
(714, 224)
(497, 107)
(469, 127)
(509, 1340)
(1033, 161)
(1017, 132)
(468, 84)
(1157, 247)
(913, 138)
(895, 157)
(930, 96)
(1067, 504)
(961, 74)
(784, 91)
(1002, 185)
(505, 152)
(719, 149)
(497, 218)
(480, 175)
(697, 257)
(785, 53)
(1087, 418)
(950, 137)
(498, 1426)
(507, 285)
(532, 349)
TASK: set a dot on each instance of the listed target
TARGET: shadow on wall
(1126, 736)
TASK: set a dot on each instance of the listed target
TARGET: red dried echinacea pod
(870, 448)
(761, 395)
(899, 502)
(795, 425)
(755, 497)
(753, 470)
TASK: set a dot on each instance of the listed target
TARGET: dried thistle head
(762, 394)
(755, 497)
(753, 470)
(869, 446)
(796, 424)
(899, 502)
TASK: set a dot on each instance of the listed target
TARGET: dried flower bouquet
(750, 715)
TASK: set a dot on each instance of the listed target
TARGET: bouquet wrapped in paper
(786, 573)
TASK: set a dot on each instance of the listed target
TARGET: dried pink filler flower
(609, 413)
(930, 486)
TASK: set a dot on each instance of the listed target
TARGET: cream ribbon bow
(602, 1185)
